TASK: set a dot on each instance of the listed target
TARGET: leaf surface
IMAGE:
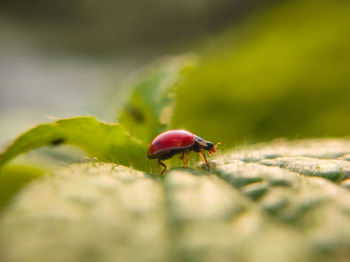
(13, 178)
(149, 109)
(106, 142)
(245, 209)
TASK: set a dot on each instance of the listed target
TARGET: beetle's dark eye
(209, 145)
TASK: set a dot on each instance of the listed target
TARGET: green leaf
(255, 82)
(13, 178)
(107, 142)
(150, 107)
(237, 212)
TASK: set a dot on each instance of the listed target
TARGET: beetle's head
(212, 148)
(206, 145)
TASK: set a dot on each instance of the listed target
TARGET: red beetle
(172, 142)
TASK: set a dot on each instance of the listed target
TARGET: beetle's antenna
(213, 149)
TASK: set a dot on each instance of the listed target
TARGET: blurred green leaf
(241, 211)
(285, 72)
(13, 178)
(107, 142)
(150, 107)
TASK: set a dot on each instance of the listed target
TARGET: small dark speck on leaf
(136, 114)
(57, 141)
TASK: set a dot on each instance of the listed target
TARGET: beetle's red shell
(176, 139)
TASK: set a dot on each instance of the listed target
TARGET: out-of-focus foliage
(285, 72)
(264, 211)
(13, 178)
(146, 114)
(106, 142)
(149, 109)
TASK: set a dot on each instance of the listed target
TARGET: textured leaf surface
(107, 142)
(248, 208)
(149, 109)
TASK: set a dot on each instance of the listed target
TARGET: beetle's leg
(162, 164)
(182, 155)
(203, 158)
(186, 159)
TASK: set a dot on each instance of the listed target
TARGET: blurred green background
(262, 70)
(64, 58)
(283, 72)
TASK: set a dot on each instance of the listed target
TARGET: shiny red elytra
(171, 142)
